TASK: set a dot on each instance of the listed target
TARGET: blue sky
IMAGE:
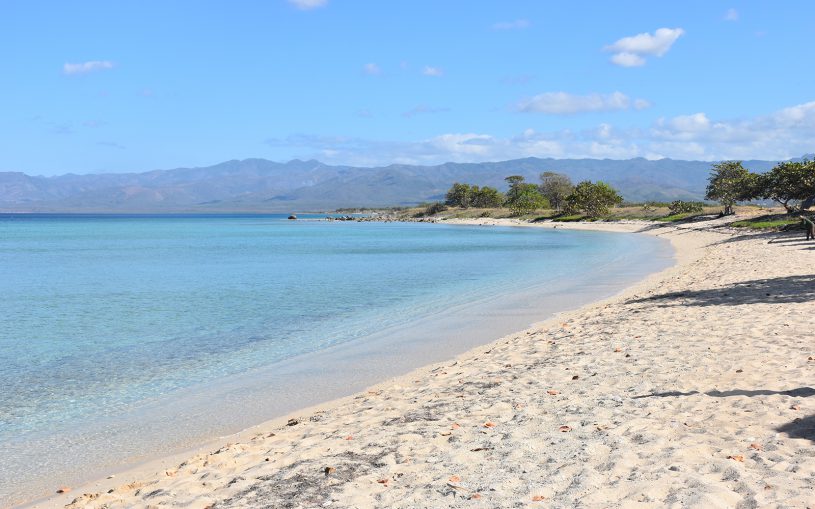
(132, 86)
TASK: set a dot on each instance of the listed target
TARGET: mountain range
(259, 185)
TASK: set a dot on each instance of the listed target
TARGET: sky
(89, 87)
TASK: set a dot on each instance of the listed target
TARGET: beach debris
(111, 476)
(795, 407)
(475, 496)
(565, 429)
(454, 478)
(618, 350)
(489, 424)
(478, 449)
(455, 425)
(756, 446)
(576, 377)
(329, 470)
(538, 498)
(446, 433)
(349, 437)
(552, 392)
(736, 457)
(383, 482)
(63, 489)
(292, 422)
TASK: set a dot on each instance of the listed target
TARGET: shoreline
(689, 246)
(396, 351)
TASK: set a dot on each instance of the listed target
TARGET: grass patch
(774, 221)
(570, 219)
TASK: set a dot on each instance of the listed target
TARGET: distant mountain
(259, 185)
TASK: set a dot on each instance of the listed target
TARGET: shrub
(685, 207)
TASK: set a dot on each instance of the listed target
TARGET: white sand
(695, 388)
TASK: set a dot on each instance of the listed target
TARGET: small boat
(292, 216)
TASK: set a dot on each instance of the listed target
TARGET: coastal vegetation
(790, 184)
(555, 192)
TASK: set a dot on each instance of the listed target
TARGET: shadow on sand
(800, 428)
(800, 392)
(780, 290)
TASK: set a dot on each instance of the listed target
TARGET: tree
(555, 187)
(486, 197)
(788, 183)
(459, 195)
(593, 199)
(524, 198)
(728, 183)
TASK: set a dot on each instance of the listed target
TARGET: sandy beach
(693, 388)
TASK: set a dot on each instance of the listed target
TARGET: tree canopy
(523, 198)
(465, 195)
(728, 183)
(555, 187)
(788, 183)
(593, 199)
(459, 195)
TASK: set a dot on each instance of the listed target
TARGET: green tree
(486, 197)
(593, 199)
(459, 195)
(728, 183)
(555, 187)
(525, 198)
(788, 183)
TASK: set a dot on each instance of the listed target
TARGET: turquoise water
(103, 316)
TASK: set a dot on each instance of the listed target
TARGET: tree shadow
(800, 392)
(800, 428)
(780, 290)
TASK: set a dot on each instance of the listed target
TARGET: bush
(593, 199)
(435, 208)
(685, 207)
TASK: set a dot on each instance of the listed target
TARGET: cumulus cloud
(86, 67)
(778, 135)
(631, 51)
(371, 69)
(731, 15)
(307, 5)
(563, 103)
(432, 71)
(518, 24)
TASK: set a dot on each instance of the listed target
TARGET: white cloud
(432, 71)
(778, 135)
(731, 15)
(625, 59)
(371, 69)
(631, 51)
(563, 103)
(86, 67)
(518, 24)
(306, 5)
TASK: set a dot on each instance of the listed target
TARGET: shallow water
(122, 337)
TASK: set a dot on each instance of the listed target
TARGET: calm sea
(118, 331)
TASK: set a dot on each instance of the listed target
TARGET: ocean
(122, 337)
